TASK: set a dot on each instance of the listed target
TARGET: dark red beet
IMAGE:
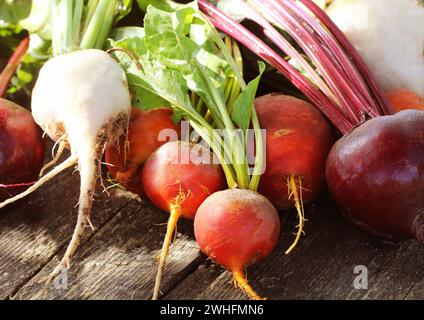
(376, 175)
(143, 138)
(21, 148)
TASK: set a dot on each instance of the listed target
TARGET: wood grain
(321, 268)
(35, 228)
(120, 262)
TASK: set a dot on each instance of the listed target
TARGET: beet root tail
(174, 216)
(62, 146)
(293, 187)
(89, 171)
(72, 160)
(240, 281)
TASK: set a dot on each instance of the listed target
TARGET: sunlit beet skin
(144, 132)
(175, 171)
(376, 174)
(403, 99)
(177, 178)
(298, 140)
(21, 148)
(235, 228)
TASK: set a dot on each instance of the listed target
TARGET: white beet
(82, 99)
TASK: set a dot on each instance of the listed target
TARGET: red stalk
(12, 65)
(347, 82)
(325, 64)
(353, 55)
(244, 36)
(339, 65)
(328, 39)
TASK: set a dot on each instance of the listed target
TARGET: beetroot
(177, 178)
(175, 175)
(237, 227)
(21, 148)
(376, 175)
(298, 141)
(125, 161)
(297, 144)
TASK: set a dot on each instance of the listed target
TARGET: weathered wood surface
(118, 259)
(322, 267)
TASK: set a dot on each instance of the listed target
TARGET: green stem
(199, 106)
(236, 64)
(70, 16)
(239, 156)
(91, 37)
(215, 144)
(91, 8)
(67, 8)
(77, 19)
(106, 27)
(259, 154)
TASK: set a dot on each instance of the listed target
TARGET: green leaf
(166, 83)
(124, 8)
(142, 97)
(122, 33)
(13, 11)
(243, 106)
(164, 5)
(166, 38)
(132, 39)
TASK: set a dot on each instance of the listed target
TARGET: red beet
(298, 140)
(376, 175)
(178, 177)
(21, 148)
(143, 138)
(237, 227)
(175, 171)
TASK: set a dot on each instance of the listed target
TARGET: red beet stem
(353, 85)
(12, 65)
(379, 94)
(349, 89)
(326, 64)
(244, 36)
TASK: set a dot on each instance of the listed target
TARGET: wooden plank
(35, 228)
(119, 262)
(321, 268)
